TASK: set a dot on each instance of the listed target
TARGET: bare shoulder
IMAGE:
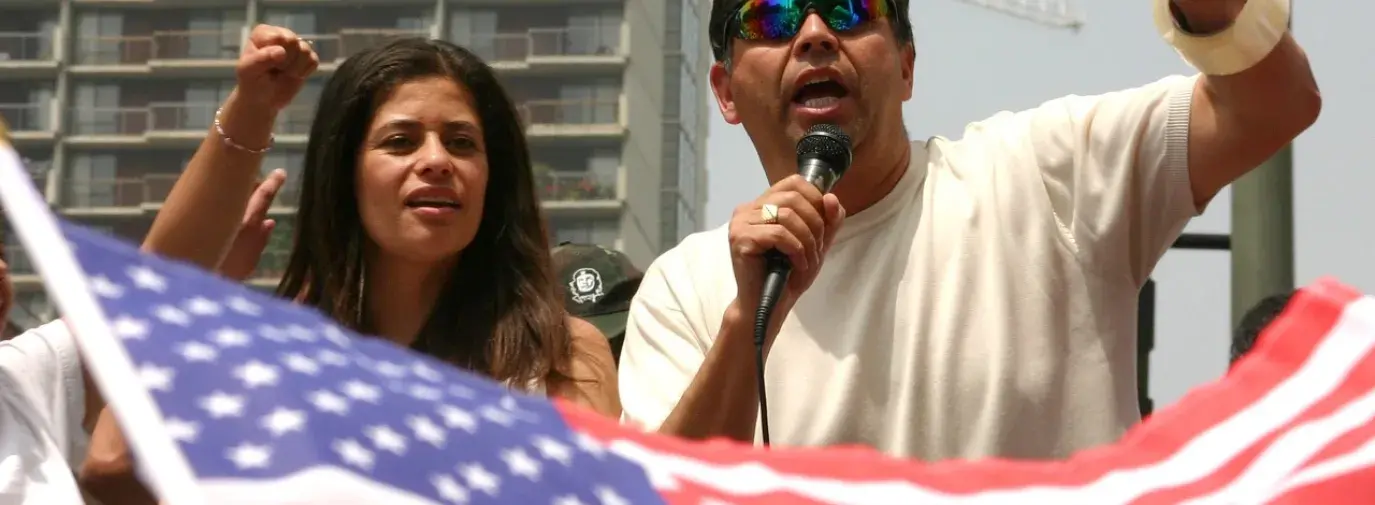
(586, 337)
(591, 371)
(591, 358)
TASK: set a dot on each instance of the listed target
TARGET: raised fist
(274, 65)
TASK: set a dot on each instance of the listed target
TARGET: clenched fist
(274, 65)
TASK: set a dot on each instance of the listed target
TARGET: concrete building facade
(106, 101)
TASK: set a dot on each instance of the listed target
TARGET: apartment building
(107, 100)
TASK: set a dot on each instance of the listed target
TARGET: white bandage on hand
(1259, 27)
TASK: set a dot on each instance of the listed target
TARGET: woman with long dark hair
(441, 212)
(418, 220)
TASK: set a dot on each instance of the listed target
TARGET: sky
(972, 63)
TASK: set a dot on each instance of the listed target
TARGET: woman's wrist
(245, 124)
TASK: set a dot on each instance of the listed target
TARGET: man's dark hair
(1261, 315)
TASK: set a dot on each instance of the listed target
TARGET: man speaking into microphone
(949, 298)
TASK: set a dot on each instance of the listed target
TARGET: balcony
(179, 122)
(186, 123)
(553, 50)
(29, 54)
(30, 123)
(140, 195)
(334, 48)
(115, 50)
(572, 118)
(185, 53)
(116, 196)
(108, 126)
(564, 190)
(165, 123)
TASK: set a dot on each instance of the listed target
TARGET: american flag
(256, 400)
(269, 398)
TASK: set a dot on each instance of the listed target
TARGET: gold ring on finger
(768, 213)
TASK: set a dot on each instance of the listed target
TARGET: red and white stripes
(1294, 422)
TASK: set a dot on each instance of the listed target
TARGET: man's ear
(908, 63)
(720, 86)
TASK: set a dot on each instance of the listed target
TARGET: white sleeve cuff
(1256, 31)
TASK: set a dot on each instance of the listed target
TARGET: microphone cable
(778, 268)
(823, 155)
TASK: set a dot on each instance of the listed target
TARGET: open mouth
(820, 93)
(431, 203)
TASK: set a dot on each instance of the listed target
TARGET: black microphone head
(826, 142)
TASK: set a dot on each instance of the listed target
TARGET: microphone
(823, 155)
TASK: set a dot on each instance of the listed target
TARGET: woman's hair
(499, 312)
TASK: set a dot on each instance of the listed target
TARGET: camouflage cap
(598, 284)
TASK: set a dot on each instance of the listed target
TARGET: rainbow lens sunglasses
(782, 19)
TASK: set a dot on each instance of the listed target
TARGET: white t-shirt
(985, 307)
(42, 402)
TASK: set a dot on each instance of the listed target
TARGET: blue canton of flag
(274, 402)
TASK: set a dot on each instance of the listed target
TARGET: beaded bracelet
(271, 139)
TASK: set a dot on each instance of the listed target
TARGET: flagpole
(166, 469)
(1263, 230)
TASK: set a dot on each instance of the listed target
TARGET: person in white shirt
(980, 298)
(49, 406)
(41, 407)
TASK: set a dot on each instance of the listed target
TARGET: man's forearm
(1279, 89)
(721, 401)
(1275, 81)
(1257, 92)
(1279, 92)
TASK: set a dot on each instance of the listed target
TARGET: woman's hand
(255, 231)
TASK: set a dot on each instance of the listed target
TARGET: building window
(595, 103)
(301, 22)
(594, 33)
(603, 232)
(202, 99)
(98, 38)
(92, 181)
(97, 110)
(476, 30)
(215, 35)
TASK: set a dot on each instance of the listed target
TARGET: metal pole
(1263, 231)
(1145, 343)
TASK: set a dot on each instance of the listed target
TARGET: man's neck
(877, 168)
(401, 295)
